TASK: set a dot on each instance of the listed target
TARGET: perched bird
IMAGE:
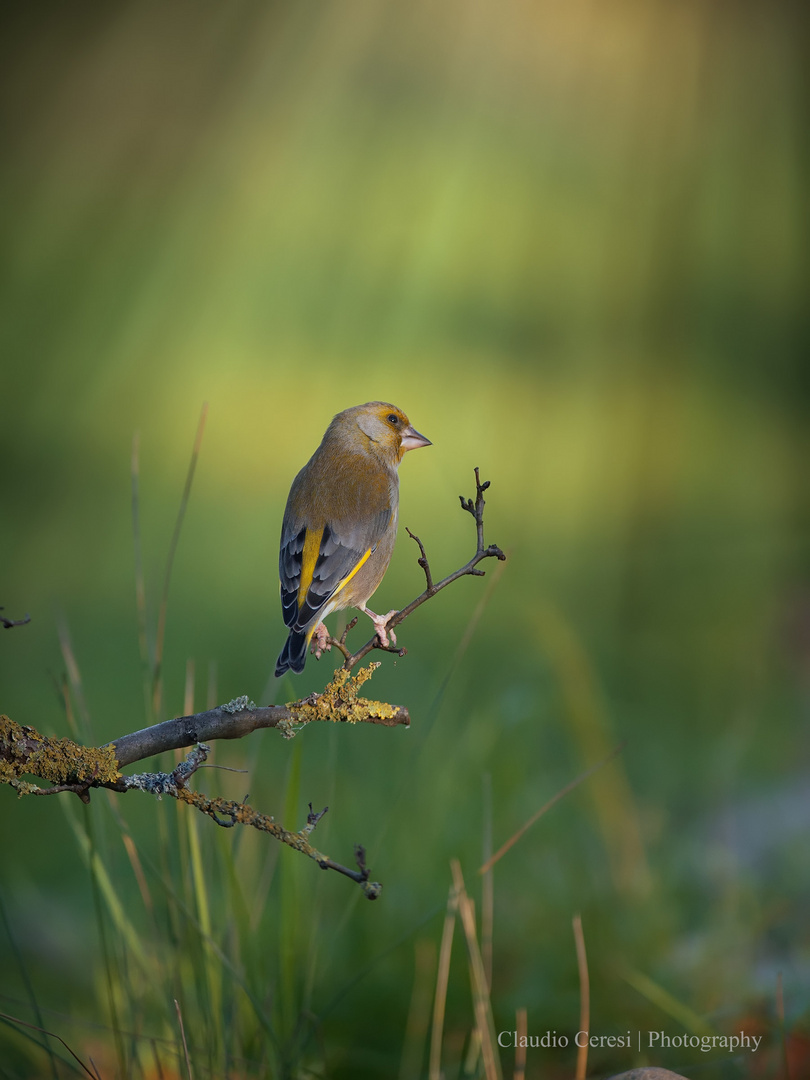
(340, 524)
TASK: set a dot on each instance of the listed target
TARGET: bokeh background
(567, 240)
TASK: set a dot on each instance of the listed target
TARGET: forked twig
(476, 509)
(227, 813)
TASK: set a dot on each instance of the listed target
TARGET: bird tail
(294, 654)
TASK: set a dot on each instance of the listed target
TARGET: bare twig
(423, 560)
(8, 623)
(476, 508)
(227, 813)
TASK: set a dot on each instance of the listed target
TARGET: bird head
(387, 427)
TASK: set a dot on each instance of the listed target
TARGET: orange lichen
(339, 703)
(25, 752)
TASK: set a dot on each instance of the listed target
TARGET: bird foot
(380, 626)
(321, 639)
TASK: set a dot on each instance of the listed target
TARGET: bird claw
(321, 639)
(380, 626)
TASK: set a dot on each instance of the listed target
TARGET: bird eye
(392, 418)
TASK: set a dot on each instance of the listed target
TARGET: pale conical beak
(412, 440)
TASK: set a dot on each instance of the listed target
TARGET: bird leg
(379, 625)
(321, 636)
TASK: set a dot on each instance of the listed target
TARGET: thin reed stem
(584, 997)
(157, 681)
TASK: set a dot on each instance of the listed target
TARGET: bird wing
(315, 564)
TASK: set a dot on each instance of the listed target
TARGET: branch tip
(476, 509)
(360, 859)
(314, 816)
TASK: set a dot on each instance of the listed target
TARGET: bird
(340, 524)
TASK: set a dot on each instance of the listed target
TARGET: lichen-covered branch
(66, 766)
(227, 813)
(339, 703)
(476, 508)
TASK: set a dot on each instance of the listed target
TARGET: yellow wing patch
(349, 576)
(309, 556)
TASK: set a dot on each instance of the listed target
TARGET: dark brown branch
(70, 767)
(240, 717)
(476, 508)
(224, 722)
(422, 560)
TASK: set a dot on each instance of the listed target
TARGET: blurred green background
(567, 241)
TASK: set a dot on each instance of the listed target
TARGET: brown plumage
(340, 523)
